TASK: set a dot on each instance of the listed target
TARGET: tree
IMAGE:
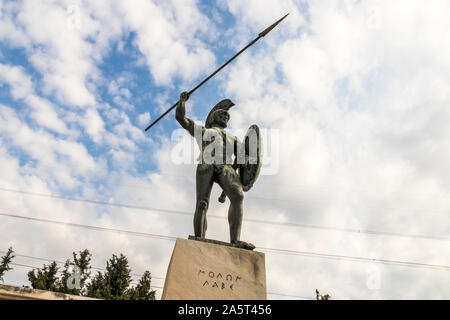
(113, 284)
(6, 260)
(321, 297)
(142, 291)
(96, 289)
(45, 278)
(76, 273)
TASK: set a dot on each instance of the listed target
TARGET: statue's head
(220, 118)
(219, 115)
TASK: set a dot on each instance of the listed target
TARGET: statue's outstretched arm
(180, 115)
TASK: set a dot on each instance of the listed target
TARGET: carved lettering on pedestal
(227, 283)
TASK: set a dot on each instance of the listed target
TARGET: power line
(121, 205)
(314, 201)
(269, 250)
(357, 259)
(141, 234)
(289, 224)
(23, 265)
(247, 196)
(304, 187)
(60, 262)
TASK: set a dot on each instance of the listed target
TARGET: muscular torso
(217, 145)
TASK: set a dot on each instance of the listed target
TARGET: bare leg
(231, 184)
(204, 185)
(235, 213)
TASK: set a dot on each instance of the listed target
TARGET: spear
(262, 34)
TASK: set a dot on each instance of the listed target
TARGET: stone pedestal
(206, 271)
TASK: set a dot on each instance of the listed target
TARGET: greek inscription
(227, 283)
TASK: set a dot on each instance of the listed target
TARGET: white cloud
(121, 94)
(67, 56)
(43, 112)
(57, 159)
(143, 119)
(359, 91)
(166, 36)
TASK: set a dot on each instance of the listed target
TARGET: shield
(251, 166)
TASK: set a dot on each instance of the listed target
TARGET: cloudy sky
(355, 96)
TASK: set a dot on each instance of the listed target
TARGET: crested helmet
(225, 104)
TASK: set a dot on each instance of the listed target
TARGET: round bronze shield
(249, 170)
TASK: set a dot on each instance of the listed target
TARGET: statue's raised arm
(180, 115)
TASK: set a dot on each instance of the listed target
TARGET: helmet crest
(225, 104)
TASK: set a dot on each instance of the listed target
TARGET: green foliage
(83, 265)
(96, 288)
(142, 291)
(45, 278)
(113, 284)
(4, 264)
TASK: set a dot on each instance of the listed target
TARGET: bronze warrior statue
(233, 177)
(216, 165)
